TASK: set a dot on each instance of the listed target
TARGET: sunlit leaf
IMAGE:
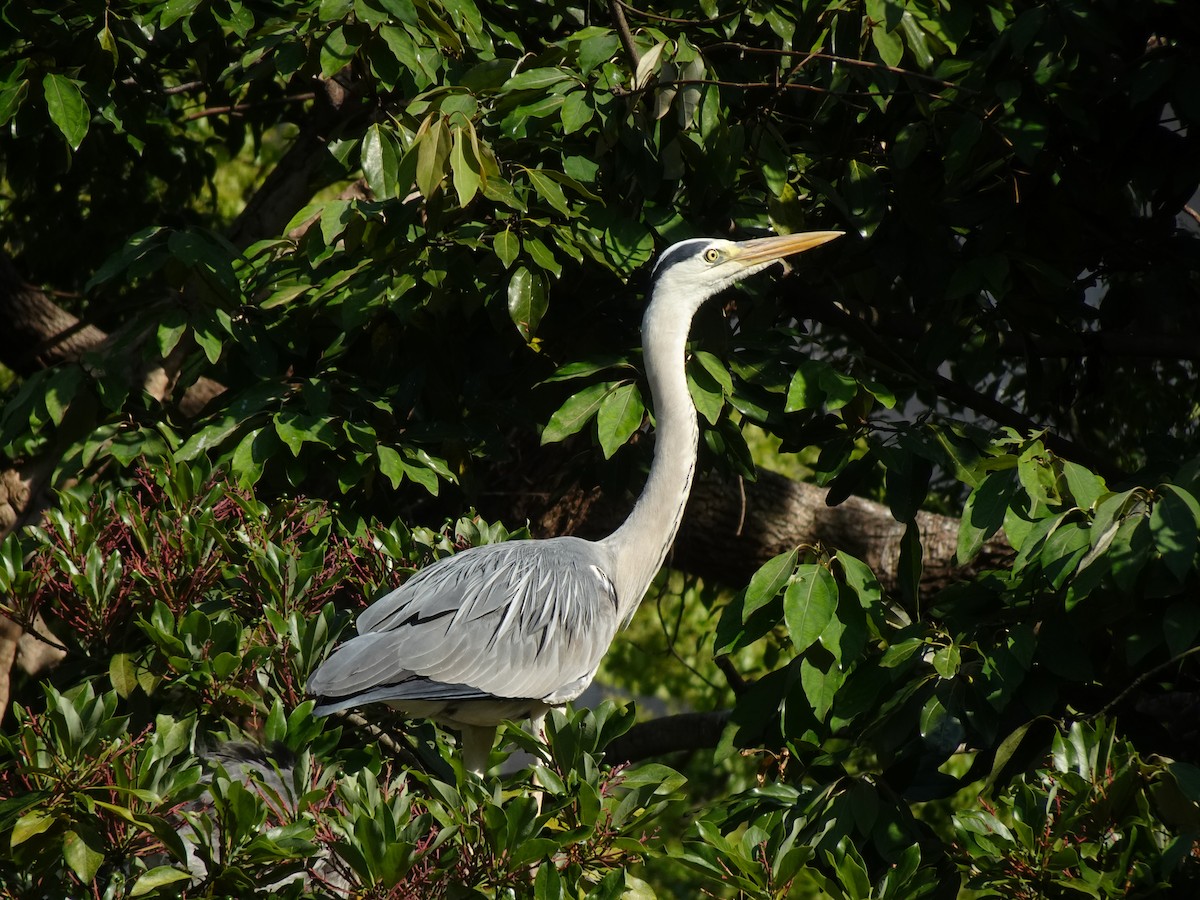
(528, 299)
(68, 110)
(619, 416)
(576, 412)
(809, 605)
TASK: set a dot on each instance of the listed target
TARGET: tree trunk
(37, 332)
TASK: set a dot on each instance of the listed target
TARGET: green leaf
(983, 514)
(174, 10)
(121, 674)
(380, 161)
(548, 884)
(946, 661)
(809, 605)
(251, 454)
(1181, 625)
(535, 79)
(294, 429)
(390, 464)
(910, 564)
(619, 416)
(506, 246)
(543, 256)
(170, 330)
(888, 43)
(433, 148)
(706, 394)
(1174, 526)
(67, 108)
(767, 582)
(865, 195)
(575, 413)
(663, 779)
(576, 112)
(820, 684)
(464, 167)
(209, 342)
(804, 390)
(156, 878)
(337, 52)
(715, 368)
(549, 190)
(60, 391)
(11, 99)
(29, 825)
(584, 367)
(528, 299)
(596, 49)
(82, 858)
(1085, 486)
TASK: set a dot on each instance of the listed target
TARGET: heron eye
(711, 255)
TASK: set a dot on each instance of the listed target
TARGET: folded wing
(524, 619)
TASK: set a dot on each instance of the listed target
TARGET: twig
(401, 753)
(622, 26)
(737, 683)
(947, 389)
(239, 108)
(657, 18)
(844, 60)
(1139, 681)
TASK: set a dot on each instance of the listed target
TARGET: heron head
(701, 267)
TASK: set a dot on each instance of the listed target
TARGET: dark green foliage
(175, 748)
(1007, 332)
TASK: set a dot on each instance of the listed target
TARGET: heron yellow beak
(769, 249)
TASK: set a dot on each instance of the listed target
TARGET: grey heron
(511, 630)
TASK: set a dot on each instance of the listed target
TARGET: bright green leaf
(809, 605)
(507, 246)
(576, 412)
(528, 300)
(68, 110)
(619, 416)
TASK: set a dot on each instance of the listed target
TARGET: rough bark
(290, 184)
(732, 527)
(37, 332)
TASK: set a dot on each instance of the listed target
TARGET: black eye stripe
(679, 253)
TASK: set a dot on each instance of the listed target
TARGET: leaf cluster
(174, 749)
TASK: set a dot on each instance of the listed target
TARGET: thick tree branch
(669, 734)
(732, 527)
(37, 332)
(292, 181)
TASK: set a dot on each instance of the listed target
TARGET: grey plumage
(545, 607)
(507, 631)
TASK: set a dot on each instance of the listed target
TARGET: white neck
(641, 544)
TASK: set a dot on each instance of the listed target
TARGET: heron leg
(537, 724)
(477, 741)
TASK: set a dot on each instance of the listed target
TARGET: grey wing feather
(526, 619)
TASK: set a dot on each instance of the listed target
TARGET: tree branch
(732, 527)
(290, 185)
(862, 333)
(37, 332)
(669, 734)
(623, 32)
